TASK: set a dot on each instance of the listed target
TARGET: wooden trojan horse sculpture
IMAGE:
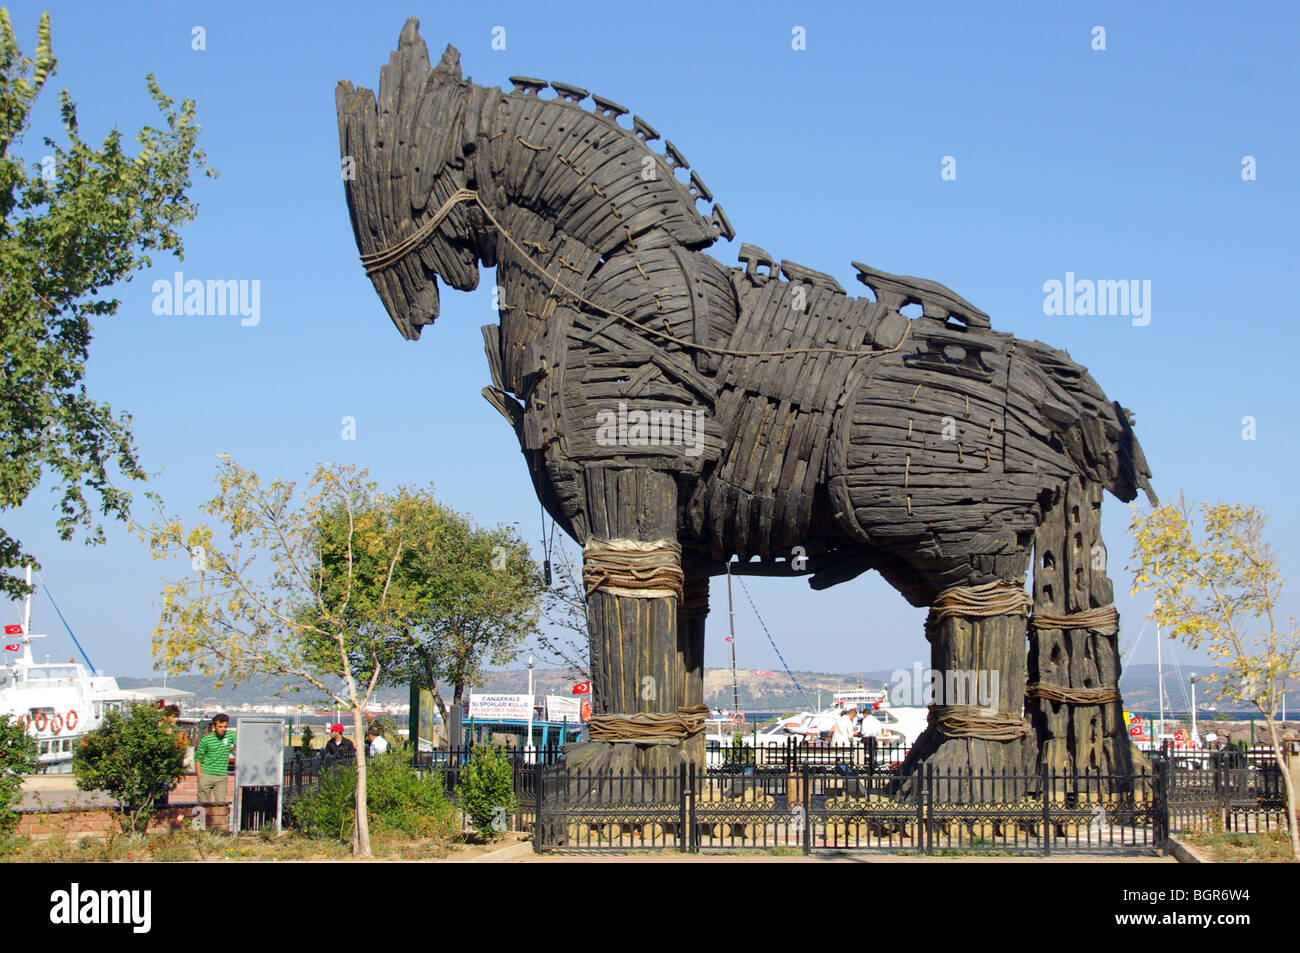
(676, 413)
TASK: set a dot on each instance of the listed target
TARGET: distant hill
(756, 692)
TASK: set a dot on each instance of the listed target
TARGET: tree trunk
(433, 686)
(455, 726)
(1280, 758)
(361, 831)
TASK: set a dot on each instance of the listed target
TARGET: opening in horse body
(675, 413)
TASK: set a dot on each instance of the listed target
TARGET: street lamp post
(528, 746)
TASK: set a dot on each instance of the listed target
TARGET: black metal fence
(864, 754)
(805, 798)
(840, 808)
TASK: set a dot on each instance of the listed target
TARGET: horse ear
(450, 62)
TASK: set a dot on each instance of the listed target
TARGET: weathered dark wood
(922, 448)
(1070, 577)
(989, 645)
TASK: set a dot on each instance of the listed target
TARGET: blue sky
(1122, 163)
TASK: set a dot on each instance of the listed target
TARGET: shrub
(133, 757)
(487, 790)
(17, 757)
(399, 800)
(307, 735)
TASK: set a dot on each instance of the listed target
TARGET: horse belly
(917, 461)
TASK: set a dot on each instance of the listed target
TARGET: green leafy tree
(1217, 586)
(79, 221)
(307, 736)
(276, 598)
(135, 757)
(17, 757)
(472, 595)
(486, 790)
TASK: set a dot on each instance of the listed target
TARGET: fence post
(1047, 811)
(539, 829)
(1161, 819)
(924, 794)
(1222, 780)
(805, 790)
(690, 778)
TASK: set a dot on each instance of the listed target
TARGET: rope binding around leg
(634, 568)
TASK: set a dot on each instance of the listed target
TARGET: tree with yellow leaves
(1216, 586)
(274, 597)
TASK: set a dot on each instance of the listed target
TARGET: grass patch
(191, 846)
(1271, 847)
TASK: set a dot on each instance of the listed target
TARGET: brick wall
(187, 789)
(96, 822)
(74, 822)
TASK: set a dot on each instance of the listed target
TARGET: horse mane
(403, 140)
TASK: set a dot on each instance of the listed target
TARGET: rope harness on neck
(377, 261)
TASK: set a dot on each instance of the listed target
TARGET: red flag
(761, 671)
(726, 638)
(582, 688)
(13, 648)
(13, 630)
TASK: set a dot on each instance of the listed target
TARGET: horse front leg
(647, 716)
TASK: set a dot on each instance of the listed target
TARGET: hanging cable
(546, 545)
(784, 664)
(45, 587)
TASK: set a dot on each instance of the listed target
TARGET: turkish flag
(761, 671)
(726, 638)
(13, 630)
(582, 688)
(13, 648)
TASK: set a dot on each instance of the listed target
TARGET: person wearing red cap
(339, 748)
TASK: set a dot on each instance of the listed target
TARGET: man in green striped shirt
(212, 760)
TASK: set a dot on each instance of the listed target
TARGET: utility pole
(1160, 687)
(731, 614)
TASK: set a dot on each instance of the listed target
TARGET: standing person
(213, 757)
(172, 714)
(842, 733)
(377, 743)
(339, 748)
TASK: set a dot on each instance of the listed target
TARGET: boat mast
(27, 603)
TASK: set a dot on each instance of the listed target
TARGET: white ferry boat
(894, 728)
(57, 702)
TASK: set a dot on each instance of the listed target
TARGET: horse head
(408, 169)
